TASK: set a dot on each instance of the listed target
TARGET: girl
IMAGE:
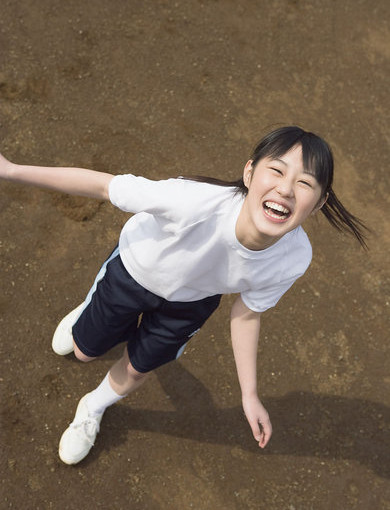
(190, 241)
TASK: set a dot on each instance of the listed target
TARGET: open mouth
(276, 211)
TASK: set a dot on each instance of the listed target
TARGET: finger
(256, 430)
(265, 435)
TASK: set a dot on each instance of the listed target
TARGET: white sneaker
(79, 437)
(62, 342)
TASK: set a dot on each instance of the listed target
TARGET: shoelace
(88, 427)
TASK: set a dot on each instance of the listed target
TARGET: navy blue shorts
(118, 309)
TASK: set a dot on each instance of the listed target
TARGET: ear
(320, 204)
(247, 174)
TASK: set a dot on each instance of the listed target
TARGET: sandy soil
(162, 88)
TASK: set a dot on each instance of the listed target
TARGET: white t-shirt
(181, 243)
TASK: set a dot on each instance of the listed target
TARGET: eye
(277, 170)
(306, 183)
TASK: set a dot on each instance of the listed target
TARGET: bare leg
(81, 356)
(124, 378)
(79, 437)
(119, 382)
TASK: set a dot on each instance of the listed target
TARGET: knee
(132, 373)
(81, 356)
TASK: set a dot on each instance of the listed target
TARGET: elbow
(10, 170)
(105, 193)
(240, 310)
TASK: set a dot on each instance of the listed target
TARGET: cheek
(255, 197)
(307, 198)
(310, 205)
(267, 180)
(259, 186)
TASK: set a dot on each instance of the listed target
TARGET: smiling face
(281, 195)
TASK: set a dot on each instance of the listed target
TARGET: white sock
(102, 397)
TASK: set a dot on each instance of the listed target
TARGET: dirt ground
(162, 88)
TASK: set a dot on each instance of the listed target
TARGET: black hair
(317, 160)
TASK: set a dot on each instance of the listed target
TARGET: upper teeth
(278, 207)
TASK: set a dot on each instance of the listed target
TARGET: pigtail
(342, 220)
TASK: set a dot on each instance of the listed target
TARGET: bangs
(317, 160)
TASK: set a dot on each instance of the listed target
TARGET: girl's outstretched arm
(245, 330)
(74, 181)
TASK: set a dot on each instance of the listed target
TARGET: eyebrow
(280, 160)
(305, 170)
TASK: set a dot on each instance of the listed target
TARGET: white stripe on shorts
(99, 277)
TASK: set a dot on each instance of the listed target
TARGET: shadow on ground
(306, 424)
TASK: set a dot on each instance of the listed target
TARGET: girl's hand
(258, 419)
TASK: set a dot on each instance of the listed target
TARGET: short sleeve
(262, 300)
(296, 258)
(135, 194)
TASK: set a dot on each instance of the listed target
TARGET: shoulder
(300, 239)
(204, 194)
(179, 184)
(177, 195)
(298, 250)
(202, 200)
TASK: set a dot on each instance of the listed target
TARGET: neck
(251, 238)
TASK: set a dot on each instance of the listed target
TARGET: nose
(285, 188)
